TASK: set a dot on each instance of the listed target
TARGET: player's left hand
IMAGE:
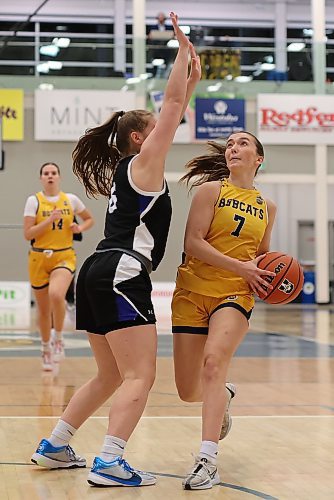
(195, 70)
(75, 228)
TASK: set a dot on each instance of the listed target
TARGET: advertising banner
(64, 115)
(15, 306)
(295, 119)
(162, 293)
(185, 131)
(12, 114)
(218, 118)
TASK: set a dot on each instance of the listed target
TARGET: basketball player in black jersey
(124, 160)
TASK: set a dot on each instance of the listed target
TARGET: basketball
(289, 279)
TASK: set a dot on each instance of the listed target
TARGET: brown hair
(48, 163)
(209, 167)
(212, 166)
(97, 153)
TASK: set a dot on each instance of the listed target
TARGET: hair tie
(121, 113)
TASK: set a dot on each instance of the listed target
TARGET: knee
(56, 297)
(213, 365)
(108, 382)
(142, 381)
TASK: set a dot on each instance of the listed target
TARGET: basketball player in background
(228, 230)
(124, 160)
(48, 224)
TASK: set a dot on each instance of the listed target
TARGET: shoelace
(127, 466)
(70, 452)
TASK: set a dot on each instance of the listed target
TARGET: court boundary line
(171, 417)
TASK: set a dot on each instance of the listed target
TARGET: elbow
(189, 247)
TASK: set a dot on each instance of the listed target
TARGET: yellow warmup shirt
(237, 229)
(59, 234)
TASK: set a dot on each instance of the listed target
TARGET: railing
(94, 54)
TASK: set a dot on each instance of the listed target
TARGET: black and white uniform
(114, 287)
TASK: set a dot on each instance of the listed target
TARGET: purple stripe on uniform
(125, 310)
(144, 201)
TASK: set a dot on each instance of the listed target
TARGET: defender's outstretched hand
(195, 69)
(181, 37)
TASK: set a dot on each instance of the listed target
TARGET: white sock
(209, 450)
(46, 346)
(112, 447)
(62, 434)
(58, 335)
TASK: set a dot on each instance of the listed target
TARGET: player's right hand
(250, 271)
(55, 215)
(181, 37)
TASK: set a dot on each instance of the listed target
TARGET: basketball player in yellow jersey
(48, 224)
(228, 230)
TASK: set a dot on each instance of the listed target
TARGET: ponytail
(95, 157)
(209, 167)
(98, 152)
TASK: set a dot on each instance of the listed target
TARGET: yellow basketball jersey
(59, 234)
(237, 229)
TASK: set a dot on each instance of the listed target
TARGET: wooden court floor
(281, 445)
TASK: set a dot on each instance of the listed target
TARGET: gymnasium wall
(21, 178)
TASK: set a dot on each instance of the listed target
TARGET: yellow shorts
(191, 312)
(41, 265)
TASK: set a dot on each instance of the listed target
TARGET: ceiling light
(173, 43)
(214, 88)
(296, 46)
(145, 76)
(268, 66)
(43, 68)
(243, 78)
(55, 64)
(158, 62)
(185, 29)
(46, 86)
(134, 79)
(49, 50)
(307, 32)
(62, 42)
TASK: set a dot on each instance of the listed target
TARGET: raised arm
(193, 78)
(148, 166)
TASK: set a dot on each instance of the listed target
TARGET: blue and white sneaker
(117, 473)
(52, 457)
(227, 420)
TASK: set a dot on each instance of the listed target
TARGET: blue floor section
(259, 345)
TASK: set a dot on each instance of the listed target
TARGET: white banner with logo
(295, 119)
(64, 115)
(15, 307)
(185, 131)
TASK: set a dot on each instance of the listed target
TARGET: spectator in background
(157, 38)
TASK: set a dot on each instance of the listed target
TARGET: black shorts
(113, 291)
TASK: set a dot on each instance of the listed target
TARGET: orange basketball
(289, 279)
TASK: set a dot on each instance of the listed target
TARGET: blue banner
(216, 117)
